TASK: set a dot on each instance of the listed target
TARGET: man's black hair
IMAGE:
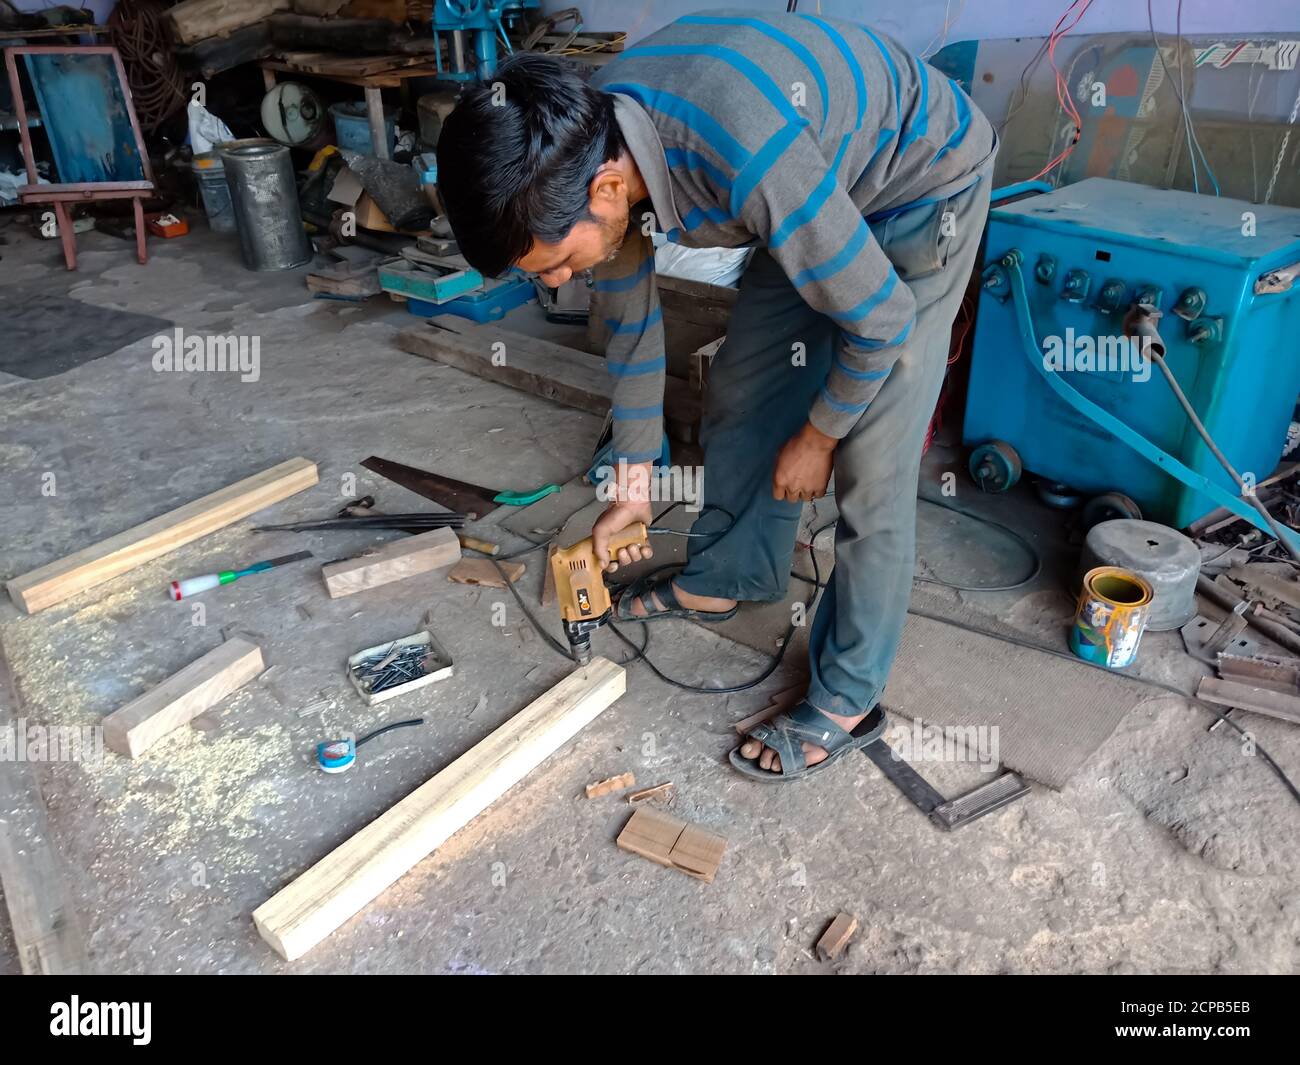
(517, 156)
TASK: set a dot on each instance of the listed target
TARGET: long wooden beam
(47, 930)
(348, 878)
(558, 373)
(93, 565)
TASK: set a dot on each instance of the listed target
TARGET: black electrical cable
(639, 653)
(1035, 569)
(815, 581)
(388, 728)
(556, 646)
(777, 658)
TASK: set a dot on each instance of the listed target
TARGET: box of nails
(390, 669)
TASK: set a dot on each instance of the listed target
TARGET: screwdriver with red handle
(194, 585)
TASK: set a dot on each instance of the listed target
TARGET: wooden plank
(194, 20)
(612, 784)
(416, 554)
(385, 79)
(182, 697)
(670, 841)
(93, 565)
(662, 793)
(327, 65)
(481, 571)
(564, 375)
(1247, 697)
(835, 940)
(697, 302)
(47, 930)
(302, 914)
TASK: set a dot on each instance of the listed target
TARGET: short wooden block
(483, 571)
(673, 842)
(179, 699)
(393, 562)
(604, 787)
(835, 940)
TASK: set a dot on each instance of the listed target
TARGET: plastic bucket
(352, 127)
(211, 178)
(1112, 615)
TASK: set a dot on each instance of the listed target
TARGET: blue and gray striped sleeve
(820, 239)
(628, 323)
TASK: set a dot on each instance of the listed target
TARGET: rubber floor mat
(45, 335)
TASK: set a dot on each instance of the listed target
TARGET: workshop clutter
(333, 157)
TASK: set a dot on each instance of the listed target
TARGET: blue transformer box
(1066, 275)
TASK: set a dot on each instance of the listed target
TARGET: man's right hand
(615, 519)
(630, 495)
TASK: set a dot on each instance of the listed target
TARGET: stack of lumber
(193, 20)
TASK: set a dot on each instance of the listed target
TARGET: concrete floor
(1171, 851)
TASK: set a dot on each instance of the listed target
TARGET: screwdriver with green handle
(193, 585)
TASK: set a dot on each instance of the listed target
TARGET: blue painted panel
(1206, 227)
(85, 116)
(1243, 386)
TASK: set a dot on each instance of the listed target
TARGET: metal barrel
(1112, 615)
(265, 197)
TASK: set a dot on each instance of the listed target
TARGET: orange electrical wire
(1063, 94)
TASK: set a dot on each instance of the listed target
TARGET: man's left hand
(803, 467)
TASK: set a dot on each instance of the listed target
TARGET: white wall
(916, 23)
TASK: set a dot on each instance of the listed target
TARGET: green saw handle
(523, 499)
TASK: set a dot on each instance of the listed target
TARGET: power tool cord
(388, 728)
(556, 646)
(815, 580)
(639, 653)
(731, 689)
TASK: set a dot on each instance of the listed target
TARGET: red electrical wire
(1063, 94)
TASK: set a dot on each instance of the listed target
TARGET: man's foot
(768, 759)
(705, 604)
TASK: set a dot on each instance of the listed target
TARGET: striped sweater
(791, 132)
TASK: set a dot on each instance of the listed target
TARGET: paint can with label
(1112, 615)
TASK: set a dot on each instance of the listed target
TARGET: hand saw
(472, 500)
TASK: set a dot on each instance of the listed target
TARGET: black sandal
(645, 590)
(787, 732)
